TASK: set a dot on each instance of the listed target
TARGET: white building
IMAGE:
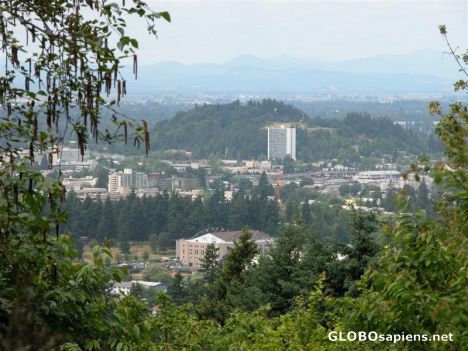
(66, 155)
(382, 179)
(121, 182)
(124, 288)
(92, 193)
(71, 183)
(281, 142)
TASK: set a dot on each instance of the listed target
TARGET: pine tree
(288, 165)
(137, 221)
(102, 174)
(89, 216)
(239, 258)
(238, 211)
(286, 271)
(123, 227)
(216, 209)
(342, 274)
(153, 241)
(176, 289)
(389, 202)
(124, 247)
(272, 217)
(227, 287)
(197, 220)
(291, 211)
(106, 225)
(423, 201)
(137, 290)
(306, 215)
(264, 188)
(210, 262)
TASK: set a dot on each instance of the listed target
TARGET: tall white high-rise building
(281, 142)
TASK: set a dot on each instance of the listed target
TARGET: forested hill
(232, 130)
(238, 131)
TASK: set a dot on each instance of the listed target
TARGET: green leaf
(136, 331)
(134, 43)
(165, 15)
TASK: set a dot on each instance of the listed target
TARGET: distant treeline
(398, 110)
(171, 216)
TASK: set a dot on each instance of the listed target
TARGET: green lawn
(136, 249)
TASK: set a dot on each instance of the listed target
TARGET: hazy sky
(219, 30)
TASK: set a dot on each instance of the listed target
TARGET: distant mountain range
(421, 72)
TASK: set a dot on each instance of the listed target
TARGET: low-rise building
(382, 179)
(192, 194)
(66, 154)
(71, 183)
(173, 183)
(91, 193)
(191, 251)
(124, 288)
(265, 165)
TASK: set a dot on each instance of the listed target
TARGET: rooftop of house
(227, 237)
(129, 284)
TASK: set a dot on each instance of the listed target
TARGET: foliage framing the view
(61, 68)
(49, 302)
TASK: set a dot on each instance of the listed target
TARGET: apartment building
(122, 182)
(191, 251)
(281, 142)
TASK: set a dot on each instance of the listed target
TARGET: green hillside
(232, 130)
(238, 131)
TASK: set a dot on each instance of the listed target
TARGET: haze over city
(217, 31)
(302, 47)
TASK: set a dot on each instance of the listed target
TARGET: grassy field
(136, 253)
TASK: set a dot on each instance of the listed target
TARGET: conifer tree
(176, 289)
(423, 201)
(306, 215)
(210, 262)
(356, 257)
(240, 257)
(137, 290)
(282, 274)
(264, 187)
(102, 174)
(218, 302)
(106, 225)
(239, 211)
